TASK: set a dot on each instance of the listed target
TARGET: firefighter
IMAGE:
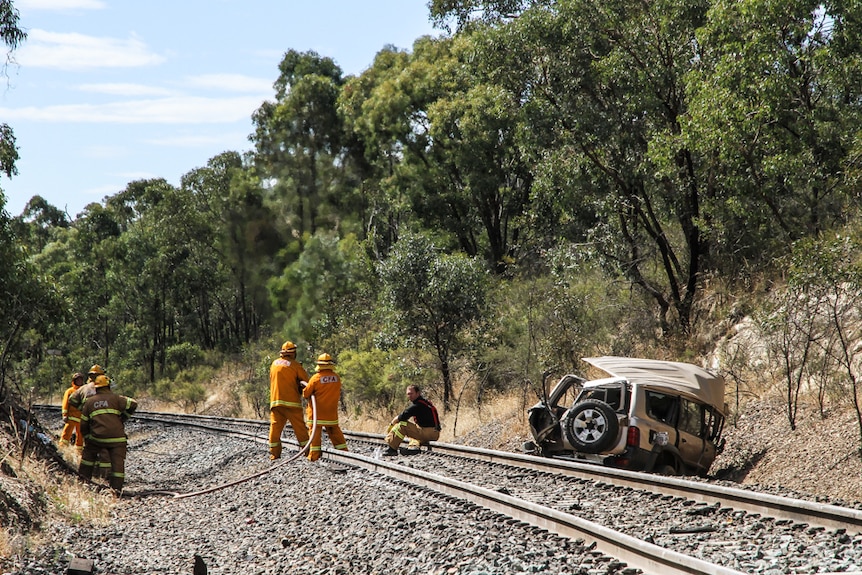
(76, 400)
(287, 377)
(72, 415)
(425, 426)
(103, 418)
(325, 386)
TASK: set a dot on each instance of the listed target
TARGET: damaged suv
(650, 415)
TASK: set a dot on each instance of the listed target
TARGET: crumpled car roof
(683, 377)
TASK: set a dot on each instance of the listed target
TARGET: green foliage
(549, 322)
(326, 295)
(365, 378)
(188, 389)
(128, 381)
(433, 297)
(604, 160)
(253, 378)
(468, 13)
(8, 151)
(11, 35)
(769, 105)
(182, 356)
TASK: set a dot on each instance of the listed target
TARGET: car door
(662, 412)
(692, 443)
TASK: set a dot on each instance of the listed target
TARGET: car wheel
(592, 426)
(666, 470)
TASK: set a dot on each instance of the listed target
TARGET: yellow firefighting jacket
(284, 377)
(325, 385)
(71, 412)
(103, 416)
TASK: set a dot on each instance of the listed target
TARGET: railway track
(560, 496)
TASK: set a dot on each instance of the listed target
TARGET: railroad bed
(331, 517)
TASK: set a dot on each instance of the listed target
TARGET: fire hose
(298, 454)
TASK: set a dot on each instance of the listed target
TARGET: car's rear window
(612, 395)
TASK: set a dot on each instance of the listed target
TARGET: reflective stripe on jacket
(325, 385)
(284, 377)
(71, 411)
(103, 414)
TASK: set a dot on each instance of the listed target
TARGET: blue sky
(106, 92)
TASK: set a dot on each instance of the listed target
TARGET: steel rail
(647, 557)
(797, 510)
(813, 513)
(160, 418)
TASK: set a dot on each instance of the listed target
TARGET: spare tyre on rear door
(591, 426)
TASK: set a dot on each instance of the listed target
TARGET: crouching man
(424, 427)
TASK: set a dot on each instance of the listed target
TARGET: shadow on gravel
(739, 469)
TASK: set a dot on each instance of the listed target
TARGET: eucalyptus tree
(469, 13)
(162, 274)
(26, 298)
(299, 147)
(228, 196)
(825, 274)
(602, 92)
(38, 223)
(89, 250)
(327, 296)
(775, 104)
(11, 35)
(378, 121)
(443, 138)
(433, 297)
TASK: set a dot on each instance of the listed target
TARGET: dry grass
(49, 496)
(496, 422)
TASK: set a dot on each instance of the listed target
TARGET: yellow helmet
(287, 348)
(102, 381)
(324, 359)
(96, 370)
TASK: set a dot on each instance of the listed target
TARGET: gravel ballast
(303, 517)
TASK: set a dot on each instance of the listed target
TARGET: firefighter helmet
(76, 376)
(288, 347)
(102, 381)
(325, 359)
(96, 370)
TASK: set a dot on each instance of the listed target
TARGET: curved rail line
(797, 510)
(635, 553)
(784, 508)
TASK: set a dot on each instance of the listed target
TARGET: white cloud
(232, 83)
(71, 51)
(125, 89)
(176, 110)
(59, 4)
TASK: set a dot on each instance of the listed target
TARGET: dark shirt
(423, 413)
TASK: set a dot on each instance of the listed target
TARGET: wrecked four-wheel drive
(650, 415)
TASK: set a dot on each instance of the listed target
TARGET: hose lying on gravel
(298, 454)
